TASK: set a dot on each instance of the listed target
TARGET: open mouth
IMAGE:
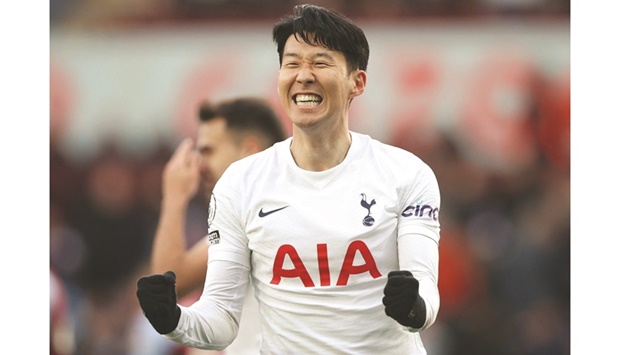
(307, 100)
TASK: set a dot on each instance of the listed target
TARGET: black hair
(246, 115)
(325, 27)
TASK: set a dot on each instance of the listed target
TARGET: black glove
(402, 300)
(158, 300)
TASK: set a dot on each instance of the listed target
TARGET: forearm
(169, 244)
(201, 329)
(420, 255)
(213, 321)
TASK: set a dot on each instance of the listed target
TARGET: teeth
(308, 100)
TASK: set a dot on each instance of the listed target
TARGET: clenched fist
(158, 300)
(402, 301)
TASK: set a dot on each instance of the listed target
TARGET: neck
(320, 152)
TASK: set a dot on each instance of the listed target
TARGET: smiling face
(314, 85)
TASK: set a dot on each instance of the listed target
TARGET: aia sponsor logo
(324, 265)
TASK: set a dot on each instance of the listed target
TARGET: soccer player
(228, 130)
(337, 231)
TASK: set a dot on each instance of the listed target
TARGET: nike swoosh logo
(262, 214)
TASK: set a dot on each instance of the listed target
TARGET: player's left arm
(411, 295)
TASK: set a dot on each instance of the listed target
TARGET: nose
(305, 75)
(204, 165)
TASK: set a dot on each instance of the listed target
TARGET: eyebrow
(314, 56)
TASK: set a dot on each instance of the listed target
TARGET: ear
(359, 81)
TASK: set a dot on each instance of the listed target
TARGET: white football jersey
(318, 247)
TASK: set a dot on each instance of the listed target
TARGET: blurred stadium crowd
(118, 12)
(505, 247)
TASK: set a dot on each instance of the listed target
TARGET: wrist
(169, 325)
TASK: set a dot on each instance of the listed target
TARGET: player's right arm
(181, 179)
(212, 322)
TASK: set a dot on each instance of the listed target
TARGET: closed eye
(290, 65)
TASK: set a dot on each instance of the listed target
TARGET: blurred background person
(228, 131)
